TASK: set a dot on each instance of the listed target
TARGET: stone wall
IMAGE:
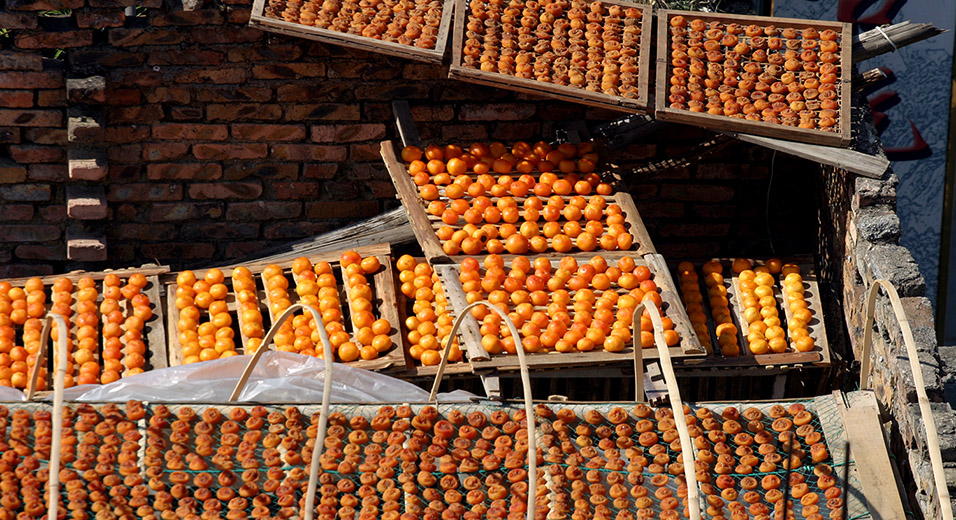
(188, 138)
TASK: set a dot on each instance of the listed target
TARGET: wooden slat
(729, 124)
(425, 226)
(470, 337)
(154, 330)
(146, 270)
(175, 347)
(435, 55)
(870, 456)
(670, 294)
(867, 165)
(552, 90)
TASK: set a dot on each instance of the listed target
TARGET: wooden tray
(382, 283)
(436, 55)
(154, 335)
(689, 345)
(466, 333)
(819, 356)
(725, 123)
(553, 90)
(424, 225)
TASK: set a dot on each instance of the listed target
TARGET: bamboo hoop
(525, 383)
(932, 436)
(326, 395)
(677, 406)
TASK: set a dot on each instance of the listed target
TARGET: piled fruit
(205, 325)
(317, 286)
(126, 356)
(592, 46)
(574, 308)
(800, 314)
(407, 22)
(781, 442)
(475, 211)
(248, 312)
(725, 330)
(428, 326)
(784, 76)
(693, 302)
(13, 357)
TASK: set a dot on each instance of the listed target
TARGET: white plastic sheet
(9, 395)
(279, 377)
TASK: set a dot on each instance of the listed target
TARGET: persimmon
(411, 153)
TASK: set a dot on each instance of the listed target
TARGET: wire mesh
(446, 461)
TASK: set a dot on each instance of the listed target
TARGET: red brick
(111, 58)
(271, 133)
(225, 190)
(231, 93)
(181, 18)
(44, 5)
(293, 230)
(18, 21)
(347, 133)
(212, 36)
(137, 37)
(46, 135)
(296, 190)
(56, 213)
(381, 189)
(97, 19)
(288, 70)
(697, 193)
(320, 171)
(166, 95)
(10, 134)
(510, 132)
(497, 112)
(128, 153)
(433, 113)
(48, 172)
(452, 133)
(29, 233)
(375, 170)
(142, 78)
(144, 192)
(20, 60)
(178, 251)
(177, 211)
(365, 152)
(11, 173)
(11, 212)
(10, 117)
(25, 192)
(261, 210)
(151, 4)
(185, 113)
(135, 114)
(309, 152)
(51, 98)
(185, 57)
(237, 15)
(226, 152)
(184, 171)
(325, 111)
(326, 90)
(190, 132)
(271, 53)
(126, 212)
(393, 90)
(422, 71)
(16, 98)
(38, 252)
(55, 40)
(351, 209)
(124, 97)
(217, 75)
(164, 151)
(243, 111)
(243, 248)
(244, 169)
(28, 154)
(31, 80)
(220, 230)
(24, 270)
(143, 231)
(127, 134)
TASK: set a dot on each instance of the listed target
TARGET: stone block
(878, 224)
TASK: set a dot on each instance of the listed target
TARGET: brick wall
(206, 139)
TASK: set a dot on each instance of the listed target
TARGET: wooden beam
(873, 166)
(890, 38)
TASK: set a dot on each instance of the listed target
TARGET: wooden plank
(552, 90)
(867, 165)
(146, 270)
(688, 346)
(470, 337)
(870, 455)
(425, 225)
(405, 123)
(154, 330)
(175, 347)
(435, 55)
(664, 112)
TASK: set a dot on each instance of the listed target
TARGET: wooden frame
(552, 90)
(689, 345)
(154, 335)
(424, 225)
(383, 287)
(819, 356)
(466, 335)
(725, 123)
(436, 55)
